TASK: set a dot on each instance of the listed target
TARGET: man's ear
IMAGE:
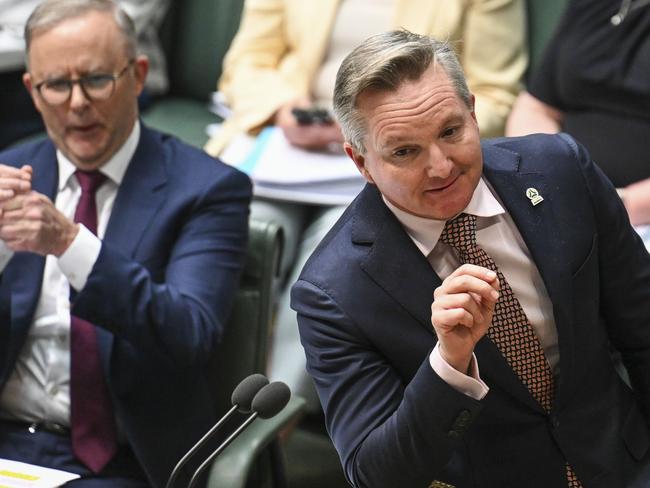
(27, 81)
(473, 111)
(141, 68)
(359, 161)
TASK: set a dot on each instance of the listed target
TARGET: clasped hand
(462, 311)
(29, 221)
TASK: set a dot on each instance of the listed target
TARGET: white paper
(275, 160)
(22, 475)
(332, 193)
(284, 172)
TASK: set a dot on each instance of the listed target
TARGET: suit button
(461, 422)
(554, 421)
(464, 416)
(453, 434)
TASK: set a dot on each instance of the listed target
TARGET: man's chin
(84, 157)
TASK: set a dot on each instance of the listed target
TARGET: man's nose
(78, 98)
(439, 164)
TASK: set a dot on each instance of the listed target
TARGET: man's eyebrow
(95, 70)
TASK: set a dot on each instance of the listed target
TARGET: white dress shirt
(39, 386)
(497, 234)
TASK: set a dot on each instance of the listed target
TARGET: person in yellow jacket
(286, 54)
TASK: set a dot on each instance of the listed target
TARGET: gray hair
(50, 13)
(383, 62)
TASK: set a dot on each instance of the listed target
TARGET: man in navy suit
(121, 250)
(403, 316)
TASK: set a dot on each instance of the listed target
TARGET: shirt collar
(426, 232)
(114, 168)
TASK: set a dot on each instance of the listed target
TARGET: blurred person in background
(593, 84)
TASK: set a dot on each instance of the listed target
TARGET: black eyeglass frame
(112, 78)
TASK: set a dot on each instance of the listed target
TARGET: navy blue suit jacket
(363, 303)
(160, 291)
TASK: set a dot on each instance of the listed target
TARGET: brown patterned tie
(510, 330)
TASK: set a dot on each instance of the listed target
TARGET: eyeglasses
(96, 87)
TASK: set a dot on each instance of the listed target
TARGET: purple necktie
(94, 435)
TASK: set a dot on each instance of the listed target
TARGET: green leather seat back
(543, 16)
(243, 350)
(196, 35)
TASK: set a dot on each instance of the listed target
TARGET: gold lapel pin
(533, 195)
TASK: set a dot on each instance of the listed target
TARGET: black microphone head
(271, 399)
(245, 391)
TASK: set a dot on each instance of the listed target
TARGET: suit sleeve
(252, 80)
(179, 311)
(387, 433)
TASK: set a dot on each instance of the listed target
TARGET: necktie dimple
(93, 431)
(510, 330)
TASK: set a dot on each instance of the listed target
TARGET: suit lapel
(537, 225)
(139, 197)
(393, 261)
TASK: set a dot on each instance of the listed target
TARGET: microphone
(267, 403)
(242, 398)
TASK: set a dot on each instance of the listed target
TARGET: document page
(281, 171)
(22, 475)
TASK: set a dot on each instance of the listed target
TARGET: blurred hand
(313, 136)
(30, 222)
(462, 311)
(636, 198)
(14, 181)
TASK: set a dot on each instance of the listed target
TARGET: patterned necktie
(510, 330)
(94, 435)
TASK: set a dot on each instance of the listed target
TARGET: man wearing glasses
(120, 250)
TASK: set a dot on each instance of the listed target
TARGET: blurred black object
(311, 116)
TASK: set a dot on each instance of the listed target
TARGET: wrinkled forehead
(413, 102)
(89, 40)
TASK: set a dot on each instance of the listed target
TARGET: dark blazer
(363, 303)
(160, 291)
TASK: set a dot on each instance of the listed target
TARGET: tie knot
(460, 232)
(89, 181)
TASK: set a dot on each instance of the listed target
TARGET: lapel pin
(533, 195)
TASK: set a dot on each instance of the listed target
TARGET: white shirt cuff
(78, 260)
(5, 255)
(471, 385)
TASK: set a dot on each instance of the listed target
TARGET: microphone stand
(197, 446)
(225, 444)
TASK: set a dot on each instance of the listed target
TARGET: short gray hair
(50, 13)
(383, 62)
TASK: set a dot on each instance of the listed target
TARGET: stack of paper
(284, 172)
